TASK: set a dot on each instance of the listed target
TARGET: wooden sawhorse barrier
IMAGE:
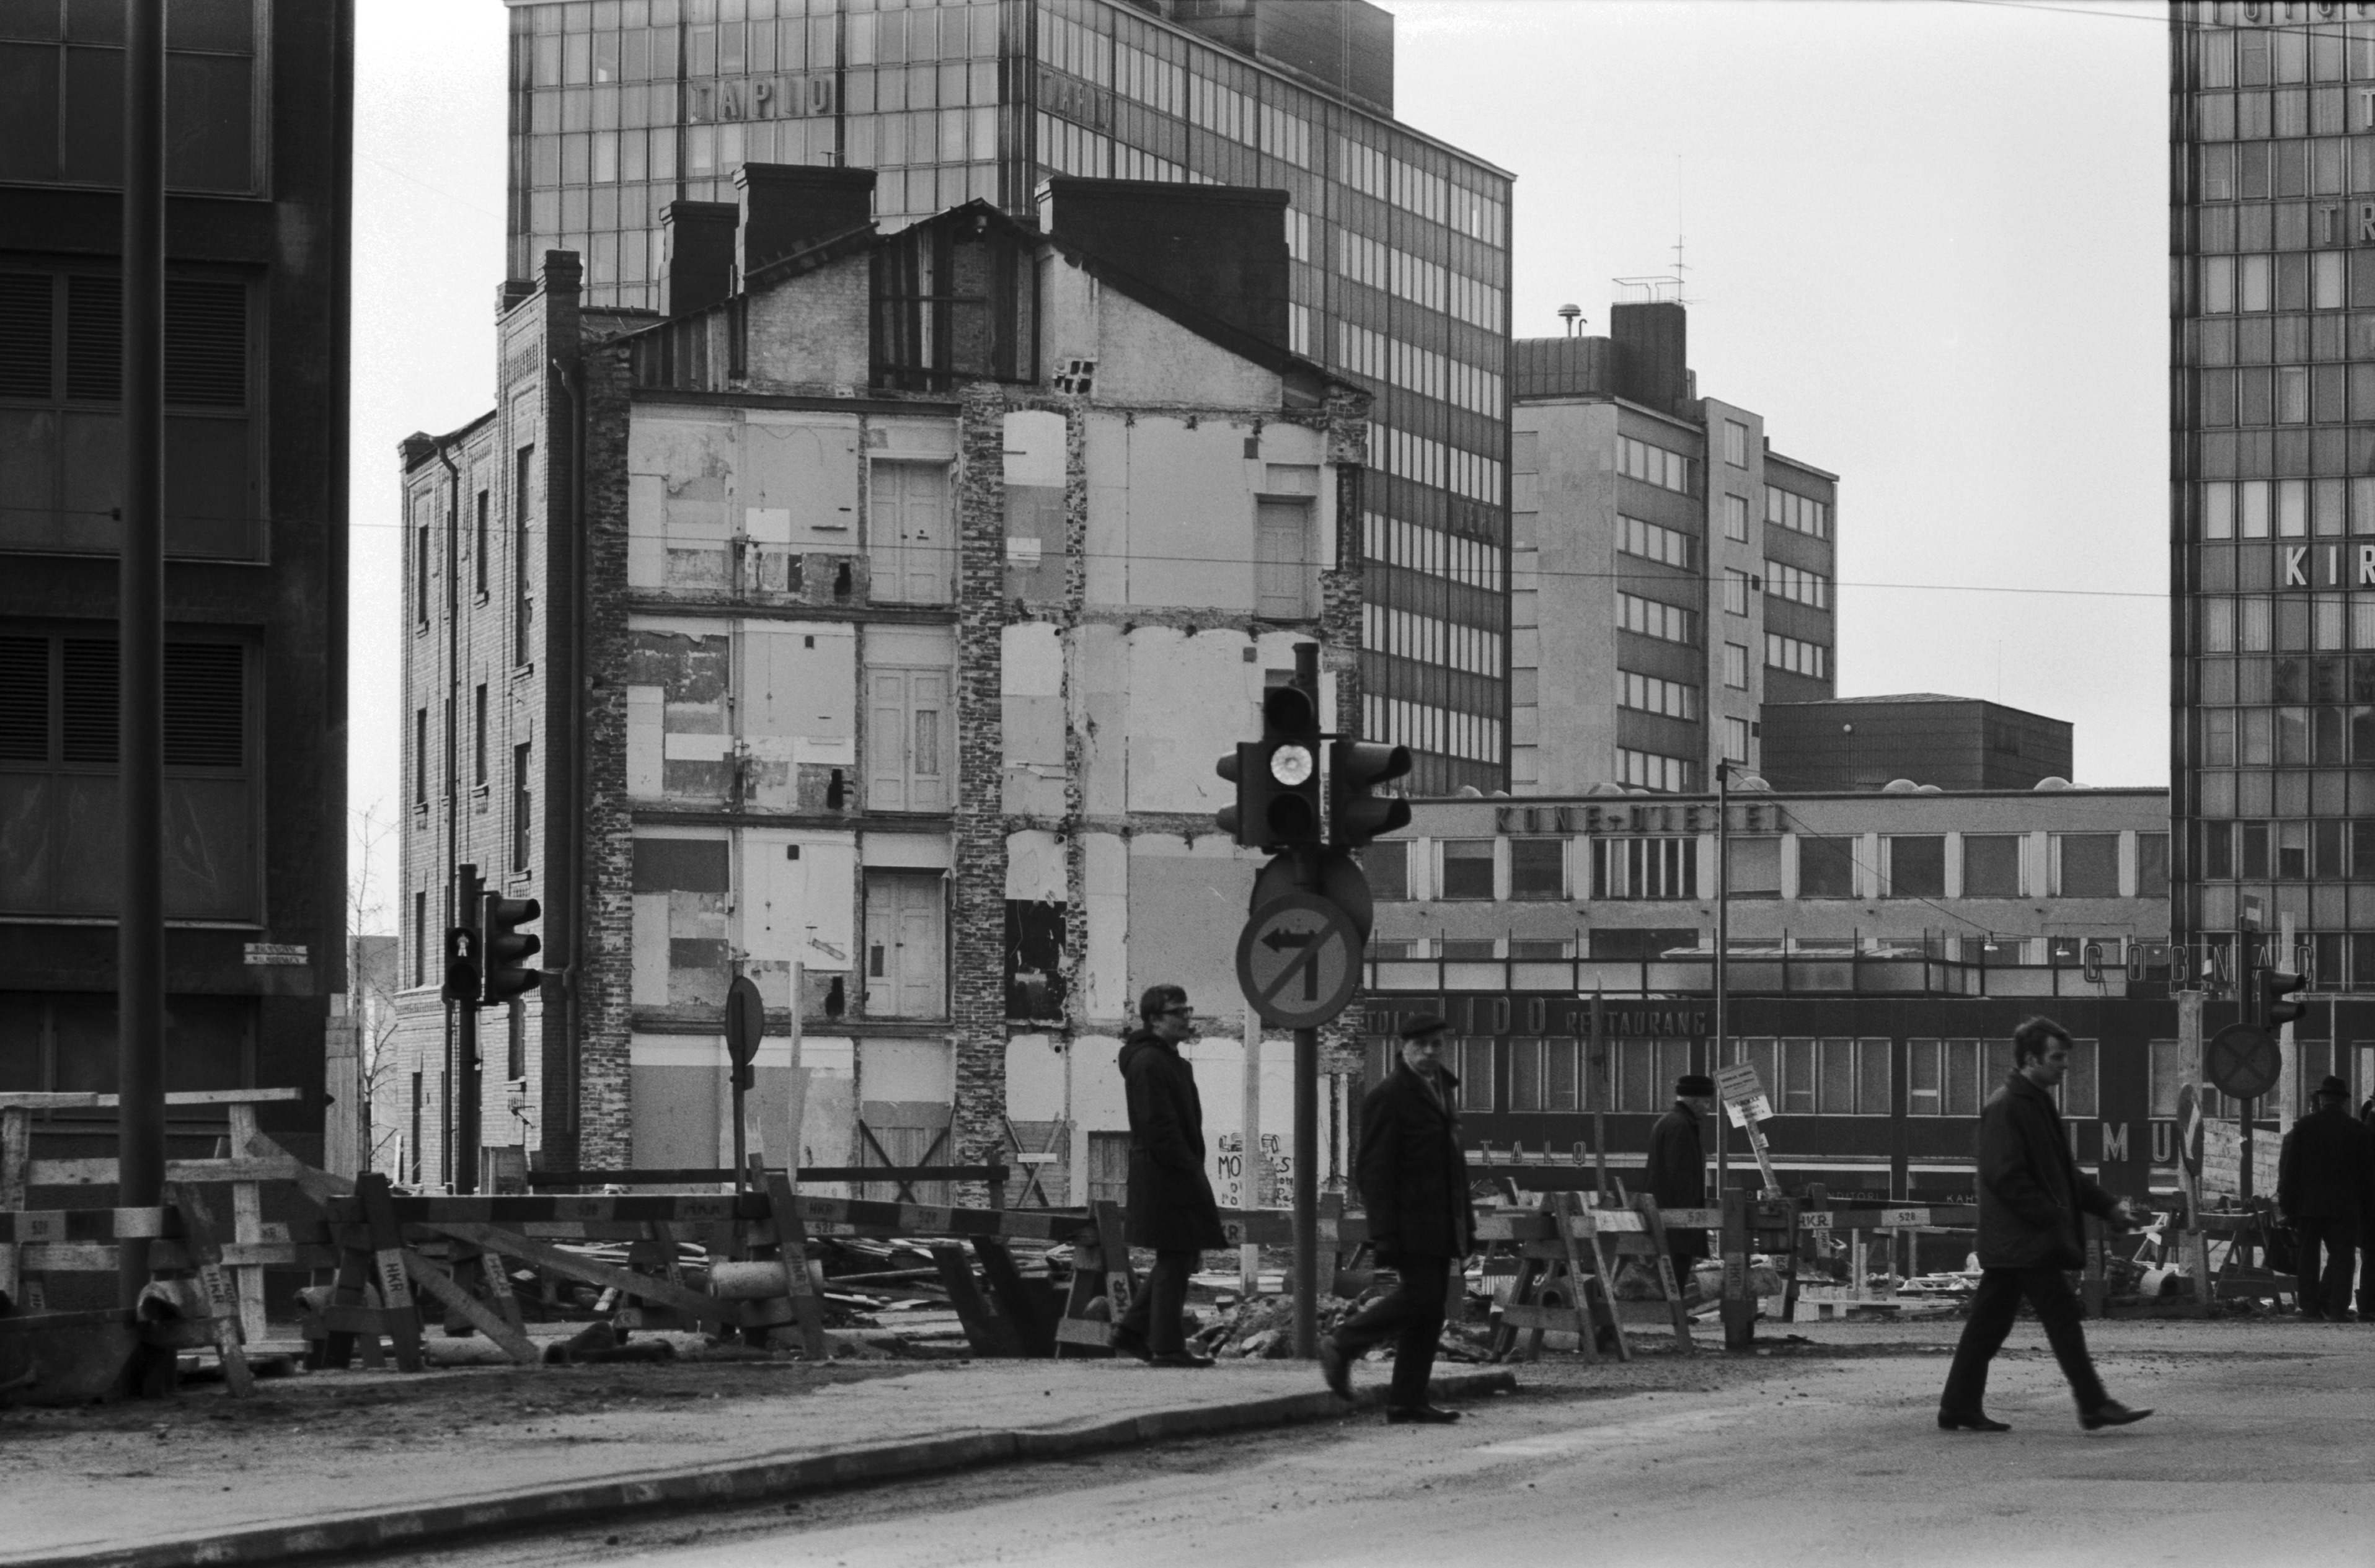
(1568, 1257)
(248, 1249)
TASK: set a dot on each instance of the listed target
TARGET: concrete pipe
(759, 1282)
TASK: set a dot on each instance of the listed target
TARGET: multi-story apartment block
(2271, 493)
(1672, 572)
(1399, 270)
(875, 615)
(258, 117)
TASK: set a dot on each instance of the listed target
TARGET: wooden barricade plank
(1601, 1283)
(626, 1281)
(987, 1330)
(220, 1296)
(1023, 1303)
(1677, 1313)
(791, 1246)
(16, 1158)
(388, 1271)
(449, 1292)
(1100, 1270)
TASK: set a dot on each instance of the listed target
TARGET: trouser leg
(1155, 1313)
(2328, 1288)
(2309, 1288)
(2057, 1308)
(1993, 1309)
(1425, 1284)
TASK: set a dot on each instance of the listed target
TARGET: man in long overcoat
(1413, 1179)
(1171, 1206)
(2031, 1193)
(1678, 1167)
(2324, 1180)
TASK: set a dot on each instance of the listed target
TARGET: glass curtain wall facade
(2273, 499)
(1400, 245)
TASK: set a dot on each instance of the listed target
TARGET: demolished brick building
(874, 611)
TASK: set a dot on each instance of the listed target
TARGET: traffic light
(1277, 777)
(461, 966)
(509, 948)
(1354, 767)
(2277, 1004)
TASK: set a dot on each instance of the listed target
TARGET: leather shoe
(1130, 1342)
(1949, 1422)
(1335, 1368)
(2113, 1413)
(1181, 1359)
(1419, 1415)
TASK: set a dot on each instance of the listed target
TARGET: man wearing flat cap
(1413, 1180)
(1678, 1167)
(2326, 1185)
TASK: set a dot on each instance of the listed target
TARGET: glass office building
(1400, 244)
(2273, 471)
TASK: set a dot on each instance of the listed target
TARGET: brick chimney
(698, 270)
(785, 206)
(1220, 248)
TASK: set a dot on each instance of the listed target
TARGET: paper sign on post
(1742, 1094)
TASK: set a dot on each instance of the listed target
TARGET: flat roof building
(1399, 245)
(1672, 572)
(1957, 743)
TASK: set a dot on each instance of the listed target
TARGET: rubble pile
(1264, 1330)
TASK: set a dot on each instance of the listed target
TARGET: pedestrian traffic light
(1277, 777)
(509, 948)
(461, 966)
(2277, 1003)
(1355, 768)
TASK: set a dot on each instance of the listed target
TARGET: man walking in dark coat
(1171, 1206)
(1413, 1179)
(1678, 1167)
(2323, 1182)
(2031, 1193)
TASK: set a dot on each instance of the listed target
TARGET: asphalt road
(1818, 1455)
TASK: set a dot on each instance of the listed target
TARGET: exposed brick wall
(603, 975)
(977, 948)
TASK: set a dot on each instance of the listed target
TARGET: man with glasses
(1171, 1206)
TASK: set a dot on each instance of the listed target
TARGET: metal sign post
(1600, 1086)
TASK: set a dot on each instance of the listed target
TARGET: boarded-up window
(1108, 1167)
(1756, 868)
(1283, 560)
(683, 890)
(61, 842)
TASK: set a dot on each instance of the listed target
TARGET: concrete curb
(752, 1481)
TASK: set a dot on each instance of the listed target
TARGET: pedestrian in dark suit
(1413, 1180)
(2325, 1180)
(2031, 1193)
(1171, 1206)
(1678, 1167)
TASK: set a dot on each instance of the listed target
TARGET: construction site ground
(111, 1477)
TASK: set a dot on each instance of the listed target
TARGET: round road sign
(2243, 1060)
(745, 1019)
(1298, 961)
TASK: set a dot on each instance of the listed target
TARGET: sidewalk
(329, 1462)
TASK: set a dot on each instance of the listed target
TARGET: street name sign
(1299, 960)
(1742, 1093)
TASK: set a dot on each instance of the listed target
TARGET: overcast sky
(1925, 239)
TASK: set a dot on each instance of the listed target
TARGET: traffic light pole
(464, 1158)
(1306, 1094)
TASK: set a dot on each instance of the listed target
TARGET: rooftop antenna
(1572, 315)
